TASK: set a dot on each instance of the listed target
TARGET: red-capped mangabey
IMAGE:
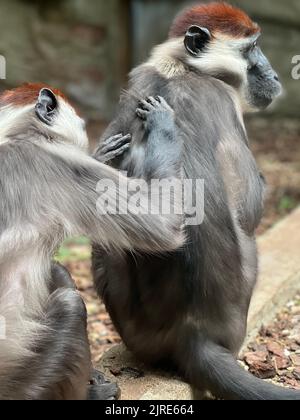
(191, 307)
(48, 189)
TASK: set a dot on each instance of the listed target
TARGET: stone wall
(76, 45)
(87, 47)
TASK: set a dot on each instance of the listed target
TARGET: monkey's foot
(154, 111)
(112, 148)
(102, 390)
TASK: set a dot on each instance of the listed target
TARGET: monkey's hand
(156, 113)
(163, 154)
(112, 148)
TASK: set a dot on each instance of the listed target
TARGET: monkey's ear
(46, 106)
(196, 39)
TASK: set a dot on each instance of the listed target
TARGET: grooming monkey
(190, 307)
(48, 192)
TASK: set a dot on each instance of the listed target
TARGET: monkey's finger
(145, 105)
(163, 102)
(141, 114)
(122, 149)
(116, 153)
(117, 143)
(152, 101)
(111, 139)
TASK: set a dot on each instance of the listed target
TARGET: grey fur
(48, 193)
(189, 308)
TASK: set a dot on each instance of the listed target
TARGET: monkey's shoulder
(147, 80)
(28, 163)
(13, 153)
(188, 91)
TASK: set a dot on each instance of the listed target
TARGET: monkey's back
(152, 299)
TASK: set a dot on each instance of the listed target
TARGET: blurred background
(87, 48)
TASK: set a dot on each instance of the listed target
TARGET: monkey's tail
(213, 368)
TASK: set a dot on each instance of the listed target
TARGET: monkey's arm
(249, 188)
(84, 189)
(151, 232)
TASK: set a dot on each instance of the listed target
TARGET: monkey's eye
(250, 48)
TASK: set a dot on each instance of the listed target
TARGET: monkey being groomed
(48, 188)
(190, 308)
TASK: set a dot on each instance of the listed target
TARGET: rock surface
(137, 382)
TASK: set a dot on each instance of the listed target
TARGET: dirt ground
(275, 354)
(276, 147)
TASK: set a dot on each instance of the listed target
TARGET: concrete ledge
(279, 280)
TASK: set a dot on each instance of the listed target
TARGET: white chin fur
(220, 56)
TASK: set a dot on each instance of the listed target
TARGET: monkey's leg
(58, 366)
(60, 277)
(55, 363)
(99, 388)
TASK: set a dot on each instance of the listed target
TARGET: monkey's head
(38, 107)
(222, 41)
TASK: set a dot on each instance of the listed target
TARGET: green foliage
(75, 249)
(287, 203)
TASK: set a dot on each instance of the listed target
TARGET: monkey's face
(263, 84)
(35, 106)
(221, 41)
(238, 62)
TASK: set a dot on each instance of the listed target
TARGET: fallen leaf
(275, 348)
(263, 370)
(257, 357)
(295, 359)
(293, 383)
(281, 362)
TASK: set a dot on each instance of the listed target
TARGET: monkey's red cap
(26, 94)
(216, 17)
